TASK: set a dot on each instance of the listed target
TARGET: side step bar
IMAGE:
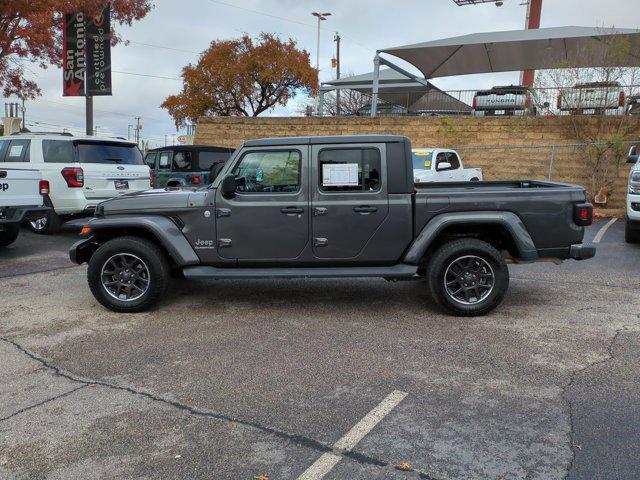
(396, 271)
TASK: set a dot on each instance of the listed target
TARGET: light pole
(321, 17)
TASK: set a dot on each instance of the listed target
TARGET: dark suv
(186, 165)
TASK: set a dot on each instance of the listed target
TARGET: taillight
(74, 176)
(152, 178)
(196, 179)
(44, 187)
(621, 99)
(475, 101)
(559, 103)
(583, 214)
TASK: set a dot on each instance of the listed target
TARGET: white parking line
(603, 230)
(328, 460)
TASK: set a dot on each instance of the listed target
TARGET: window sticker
(427, 164)
(340, 175)
(15, 150)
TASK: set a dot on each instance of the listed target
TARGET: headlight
(634, 183)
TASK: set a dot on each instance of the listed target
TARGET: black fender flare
(509, 220)
(162, 228)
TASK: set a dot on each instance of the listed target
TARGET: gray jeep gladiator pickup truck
(343, 206)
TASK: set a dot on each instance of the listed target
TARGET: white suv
(81, 171)
(632, 230)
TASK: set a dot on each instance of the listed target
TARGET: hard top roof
(338, 139)
(192, 147)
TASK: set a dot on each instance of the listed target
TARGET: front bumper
(81, 251)
(582, 251)
(633, 207)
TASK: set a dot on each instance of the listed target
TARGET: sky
(173, 33)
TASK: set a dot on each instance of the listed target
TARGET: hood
(149, 200)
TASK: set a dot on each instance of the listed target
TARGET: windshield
(422, 160)
(103, 152)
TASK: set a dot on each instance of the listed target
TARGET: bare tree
(351, 101)
(590, 96)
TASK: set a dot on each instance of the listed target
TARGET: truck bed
(539, 204)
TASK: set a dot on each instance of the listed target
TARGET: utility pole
(24, 121)
(138, 128)
(95, 130)
(336, 39)
(165, 140)
(129, 132)
(534, 12)
(321, 17)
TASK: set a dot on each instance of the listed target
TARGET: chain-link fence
(567, 163)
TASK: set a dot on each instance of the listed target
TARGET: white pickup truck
(21, 198)
(441, 165)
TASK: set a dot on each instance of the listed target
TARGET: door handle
(291, 210)
(365, 209)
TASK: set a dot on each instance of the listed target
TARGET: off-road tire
(154, 259)
(9, 234)
(446, 255)
(53, 221)
(631, 235)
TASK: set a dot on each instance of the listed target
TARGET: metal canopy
(399, 89)
(544, 48)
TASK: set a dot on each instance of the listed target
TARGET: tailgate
(19, 187)
(103, 181)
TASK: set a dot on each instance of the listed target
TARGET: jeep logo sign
(4, 187)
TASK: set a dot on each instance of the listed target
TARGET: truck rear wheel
(49, 223)
(128, 274)
(468, 277)
(8, 234)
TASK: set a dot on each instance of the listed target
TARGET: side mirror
(228, 186)
(633, 154)
(443, 166)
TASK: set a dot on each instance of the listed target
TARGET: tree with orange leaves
(31, 31)
(243, 77)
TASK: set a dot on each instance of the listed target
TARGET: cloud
(364, 25)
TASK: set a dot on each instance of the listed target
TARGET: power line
(163, 47)
(146, 75)
(291, 20)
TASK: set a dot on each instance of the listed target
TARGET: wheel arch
(503, 230)
(161, 231)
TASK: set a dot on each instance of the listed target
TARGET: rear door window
(165, 161)
(349, 170)
(58, 151)
(105, 152)
(17, 151)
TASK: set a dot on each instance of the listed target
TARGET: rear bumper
(582, 251)
(19, 214)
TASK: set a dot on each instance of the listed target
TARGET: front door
(349, 199)
(268, 218)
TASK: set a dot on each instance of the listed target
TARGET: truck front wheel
(128, 274)
(468, 277)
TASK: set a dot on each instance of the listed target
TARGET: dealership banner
(99, 54)
(74, 39)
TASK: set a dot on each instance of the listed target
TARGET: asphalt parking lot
(353, 379)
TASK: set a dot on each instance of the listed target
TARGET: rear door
(349, 200)
(19, 186)
(163, 173)
(111, 168)
(268, 217)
